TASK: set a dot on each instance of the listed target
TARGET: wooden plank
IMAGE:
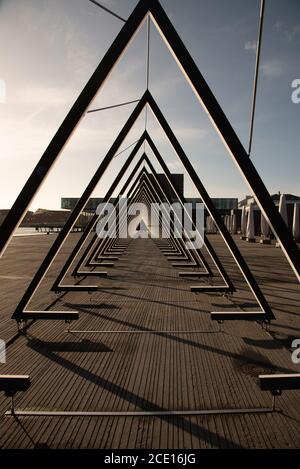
(152, 370)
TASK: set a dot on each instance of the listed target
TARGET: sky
(50, 48)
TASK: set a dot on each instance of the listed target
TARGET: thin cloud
(273, 69)
(184, 133)
(46, 96)
(175, 165)
(251, 45)
(293, 32)
(278, 25)
(289, 32)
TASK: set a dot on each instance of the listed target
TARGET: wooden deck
(136, 363)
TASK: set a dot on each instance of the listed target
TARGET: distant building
(290, 199)
(68, 203)
(4, 212)
(43, 217)
(223, 204)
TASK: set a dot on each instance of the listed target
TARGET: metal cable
(108, 10)
(127, 148)
(261, 22)
(113, 106)
(147, 72)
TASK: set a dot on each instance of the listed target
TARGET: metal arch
(56, 286)
(207, 100)
(144, 158)
(181, 200)
(228, 287)
(97, 248)
(93, 221)
(209, 205)
(171, 182)
(94, 239)
(214, 111)
(105, 243)
(207, 243)
(147, 98)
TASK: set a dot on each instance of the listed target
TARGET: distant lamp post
(250, 232)
(283, 208)
(296, 222)
(233, 225)
(283, 212)
(243, 223)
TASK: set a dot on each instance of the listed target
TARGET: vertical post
(12, 405)
(274, 402)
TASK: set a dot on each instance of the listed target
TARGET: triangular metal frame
(103, 245)
(216, 115)
(228, 286)
(155, 186)
(178, 248)
(173, 186)
(207, 100)
(135, 193)
(57, 286)
(93, 221)
(113, 240)
(21, 314)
